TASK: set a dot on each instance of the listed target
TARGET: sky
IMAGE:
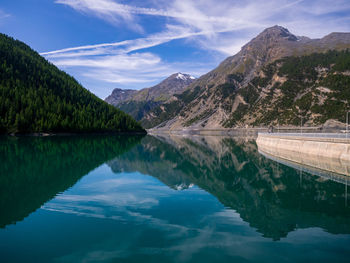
(107, 44)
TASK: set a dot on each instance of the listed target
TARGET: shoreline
(47, 134)
(233, 131)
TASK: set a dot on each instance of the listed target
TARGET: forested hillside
(35, 96)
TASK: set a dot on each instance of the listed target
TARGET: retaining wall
(326, 153)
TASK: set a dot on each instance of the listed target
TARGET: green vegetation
(189, 95)
(249, 94)
(169, 110)
(225, 90)
(236, 115)
(201, 116)
(35, 96)
(316, 88)
(137, 109)
(235, 77)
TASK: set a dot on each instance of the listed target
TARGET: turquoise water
(164, 199)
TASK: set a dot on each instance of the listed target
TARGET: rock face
(139, 102)
(221, 95)
(120, 95)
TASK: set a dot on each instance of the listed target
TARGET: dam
(325, 151)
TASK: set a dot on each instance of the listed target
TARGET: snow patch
(184, 77)
(182, 186)
(181, 76)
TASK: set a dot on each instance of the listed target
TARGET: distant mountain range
(276, 78)
(137, 103)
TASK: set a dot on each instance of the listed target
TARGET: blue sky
(107, 44)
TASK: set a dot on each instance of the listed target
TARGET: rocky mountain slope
(120, 95)
(238, 91)
(138, 103)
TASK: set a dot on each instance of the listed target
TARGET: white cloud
(105, 9)
(182, 10)
(211, 17)
(126, 62)
(115, 62)
(3, 15)
(222, 28)
(172, 33)
(207, 17)
(118, 62)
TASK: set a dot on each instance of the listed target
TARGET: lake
(164, 199)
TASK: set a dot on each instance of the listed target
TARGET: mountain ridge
(138, 102)
(206, 103)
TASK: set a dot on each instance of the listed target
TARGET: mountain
(120, 95)
(35, 96)
(228, 96)
(139, 103)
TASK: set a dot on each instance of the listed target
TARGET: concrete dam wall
(330, 152)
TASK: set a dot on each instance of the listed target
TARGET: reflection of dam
(311, 170)
(329, 153)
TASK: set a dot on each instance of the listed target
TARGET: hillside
(139, 103)
(236, 92)
(120, 95)
(311, 89)
(35, 96)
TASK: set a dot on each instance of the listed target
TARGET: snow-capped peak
(181, 76)
(184, 77)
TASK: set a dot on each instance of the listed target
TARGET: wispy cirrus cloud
(105, 9)
(3, 15)
(211, 17)
(126, 62)
(220, 28)
(172, 33)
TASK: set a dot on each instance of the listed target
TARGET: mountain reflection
(273, 198)
(34, 170)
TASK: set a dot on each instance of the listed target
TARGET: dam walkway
(326, 151)
(330, 137)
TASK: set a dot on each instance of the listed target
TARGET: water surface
(164, 199)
